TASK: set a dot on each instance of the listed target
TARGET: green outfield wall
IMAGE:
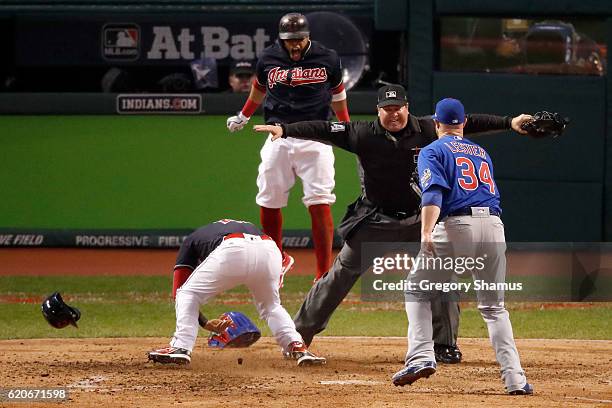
(138, 172)
(552, 190)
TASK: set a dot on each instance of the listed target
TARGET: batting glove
(237, 122)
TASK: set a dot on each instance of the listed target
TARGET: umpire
(388, 209)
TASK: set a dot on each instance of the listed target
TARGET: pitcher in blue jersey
(460, 220)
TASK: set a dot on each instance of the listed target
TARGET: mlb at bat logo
(121, 42)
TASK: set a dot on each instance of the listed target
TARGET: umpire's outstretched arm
(344, 135)
(480, 123)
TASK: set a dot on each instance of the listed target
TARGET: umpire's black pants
(325, 296)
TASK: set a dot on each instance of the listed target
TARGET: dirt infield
(92, 262)
(114, 372)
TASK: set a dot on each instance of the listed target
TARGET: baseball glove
(545, 124)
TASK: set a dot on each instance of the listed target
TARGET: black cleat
(447, 354)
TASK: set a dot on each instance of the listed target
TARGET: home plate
(351, 382)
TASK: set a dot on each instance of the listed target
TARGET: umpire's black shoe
(447, 354)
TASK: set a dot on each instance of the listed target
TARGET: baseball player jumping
(298, 79)
(216, 258)
(456, 176)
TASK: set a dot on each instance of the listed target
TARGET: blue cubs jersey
(200, 243)
(298, 90)
(464, 172)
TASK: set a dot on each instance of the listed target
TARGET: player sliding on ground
(226, 254)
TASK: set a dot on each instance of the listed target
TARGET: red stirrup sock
(322, 236)
(272, 224)
(181, 274)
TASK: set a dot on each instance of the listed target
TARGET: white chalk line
(94, 383)
(460, 338)
(351, 382)
(590, 399)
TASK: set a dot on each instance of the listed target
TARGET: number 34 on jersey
(458, 165)
(469, 178)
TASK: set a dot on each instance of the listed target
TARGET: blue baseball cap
(450, 112)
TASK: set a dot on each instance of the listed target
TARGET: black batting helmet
(293, 26)
(58, 313)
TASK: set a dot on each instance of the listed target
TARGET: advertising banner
(138, 40)
(126, 39)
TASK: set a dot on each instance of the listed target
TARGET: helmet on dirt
(58, 313)
(293, 26)
(242, 332)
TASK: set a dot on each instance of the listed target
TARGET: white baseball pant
(284, 159)
(251, 261)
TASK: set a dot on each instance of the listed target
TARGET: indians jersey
(200, 243)
(298, 90)
(463, 170)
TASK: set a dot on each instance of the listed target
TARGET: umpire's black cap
(293, 26)
(391, 95)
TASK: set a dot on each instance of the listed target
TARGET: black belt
(394, 213)
(398, 214)
(468, 211)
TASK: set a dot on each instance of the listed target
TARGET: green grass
(590, 322)
(141, 306)
(140, 172)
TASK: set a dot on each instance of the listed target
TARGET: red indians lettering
(299, 76)
(458, 147)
